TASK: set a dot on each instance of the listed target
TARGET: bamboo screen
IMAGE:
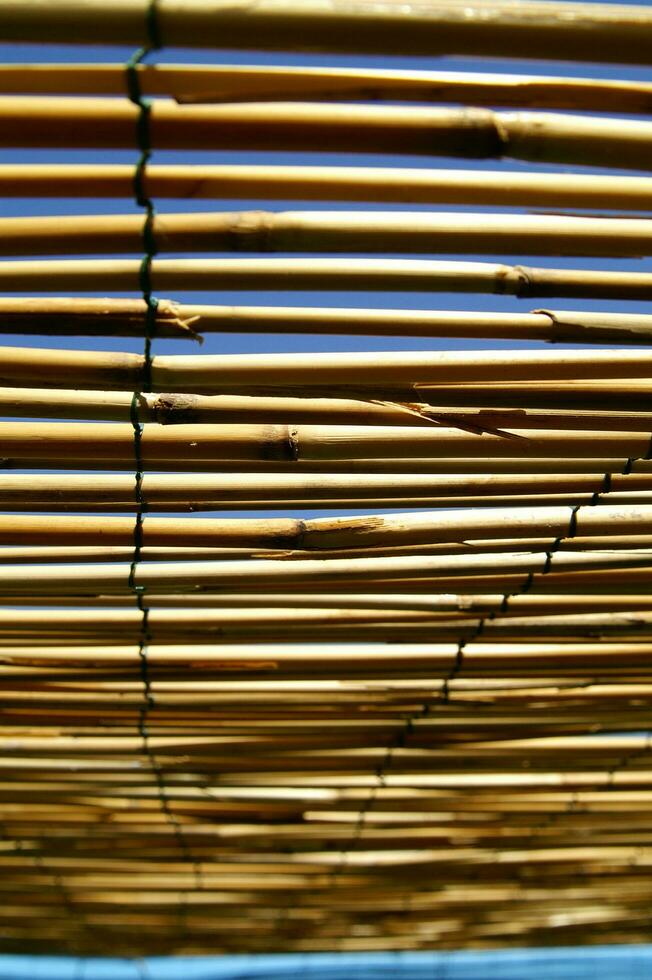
(424, 727)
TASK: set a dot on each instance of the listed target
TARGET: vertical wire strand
(143, 200)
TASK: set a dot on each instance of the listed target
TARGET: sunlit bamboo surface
(305, 647)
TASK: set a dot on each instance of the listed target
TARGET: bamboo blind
(426, 727)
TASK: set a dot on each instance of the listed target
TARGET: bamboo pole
(33, 121)
(468, 605)
(72, 442)
(236, 661)
(568, 31)
(59, 316)
(171, 409)
(188, 83)
(332, 231)
(322, 534)
(99, 553)
(367, 372)
(116, 488)
(163, 577)
(443, 465)
(324, 183)
(278, 274)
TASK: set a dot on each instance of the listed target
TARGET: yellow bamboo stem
(278, 274)
(324, 183)
(61, 316)
(332, 231)
(562, 30)
(234, 83)
(33, 121)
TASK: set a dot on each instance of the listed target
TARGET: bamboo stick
(366, 372)
(164, 577)
(387, 275)
(622, 32)
(60, 316)
(442, 603)
(32, 121)
(99, 553)
(324, 183)
(171, 409)
(71, 441)
(190, 83)
(596, 466)
(320, 534)
(116, 488)
(332, 231)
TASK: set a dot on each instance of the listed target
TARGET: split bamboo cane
(170, 409)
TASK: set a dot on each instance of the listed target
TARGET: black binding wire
(143, 136)
(143, 200)
(605, 488)
(596, 498)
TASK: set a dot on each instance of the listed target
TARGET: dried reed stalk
(33, 121)
(188, 83)
(332, 231)
(62, 316)
(170, 409)
(279, 274)
(562, 30)
(367, 374)
(325, 534)
(324, 183)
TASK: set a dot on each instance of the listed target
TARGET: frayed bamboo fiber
(279, 274)
(621, 33)
(189, 83)
(59, 316)
(418, 372)
(171, 409)
(32, 121)
(324, 183)
(330, 231)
